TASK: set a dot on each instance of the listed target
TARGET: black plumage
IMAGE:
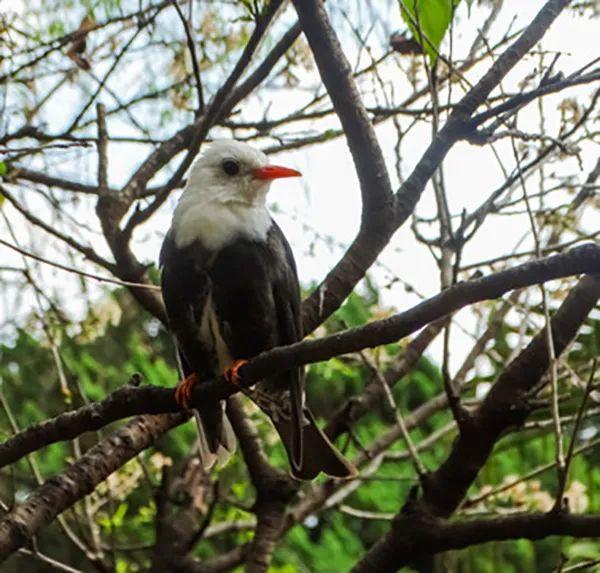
(234, 303)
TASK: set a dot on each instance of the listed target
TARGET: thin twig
(102, 149)
(76, 271)
(410, 447)
(553, 362)
(564, 476)
(192, 49)
(526, 477)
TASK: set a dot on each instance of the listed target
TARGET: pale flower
(542, 500)
(577, 496)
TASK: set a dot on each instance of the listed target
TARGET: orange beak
(269, 172)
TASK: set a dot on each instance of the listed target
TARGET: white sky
(327, 199)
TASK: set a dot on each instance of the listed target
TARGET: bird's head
(229, 171)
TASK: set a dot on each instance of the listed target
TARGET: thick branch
(366, 247)
(130, 401)
(377, 224)
(430, 535)
(506, 405)
(61, 492)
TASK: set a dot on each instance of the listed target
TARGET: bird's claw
(231, 374)
(183, 392)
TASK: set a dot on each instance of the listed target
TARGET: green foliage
(428, 21)
(116, 339)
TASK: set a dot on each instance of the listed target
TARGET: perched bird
(231, 291)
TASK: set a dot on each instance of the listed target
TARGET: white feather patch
(217, 224)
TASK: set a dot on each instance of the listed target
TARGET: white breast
(217, 224)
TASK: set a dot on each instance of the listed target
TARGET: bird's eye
(231, 167)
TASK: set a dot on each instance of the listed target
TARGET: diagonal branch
(367, 245)
(61, 492)
(507, 405)
(129, 400)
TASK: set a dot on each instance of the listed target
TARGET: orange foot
(231, 374)
(184, 389)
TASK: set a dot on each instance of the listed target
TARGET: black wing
(286, 294)
(257, 299)
(309, 450)
(185, 289)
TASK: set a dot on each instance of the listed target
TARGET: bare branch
(88, 252)
(507, 405)
(367, 246)
(129, 401)
(61, 492)
(431, 535)
(192, 49)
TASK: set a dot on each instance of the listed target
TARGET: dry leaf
(77, 50)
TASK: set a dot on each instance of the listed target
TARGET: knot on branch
(561, 508)
(110, 210)
(412, 505)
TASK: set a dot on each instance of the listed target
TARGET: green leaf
(428, 20)
(116, 520)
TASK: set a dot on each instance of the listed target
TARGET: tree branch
(129, 400)
(88, 252)
(366, 247)
(61, 492)
(377, 223)
(507, 405)
(430, 535)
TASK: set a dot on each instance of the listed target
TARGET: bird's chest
(215, 225)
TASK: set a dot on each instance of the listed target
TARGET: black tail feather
(319, 454)
(296, 451)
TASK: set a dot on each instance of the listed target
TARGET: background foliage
(116, 341)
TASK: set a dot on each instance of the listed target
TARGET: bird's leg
(231, 374)
(277, 407)
(183, 392)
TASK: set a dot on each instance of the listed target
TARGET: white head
(229, 171)
(225, 195)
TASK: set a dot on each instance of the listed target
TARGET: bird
(231, 291)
